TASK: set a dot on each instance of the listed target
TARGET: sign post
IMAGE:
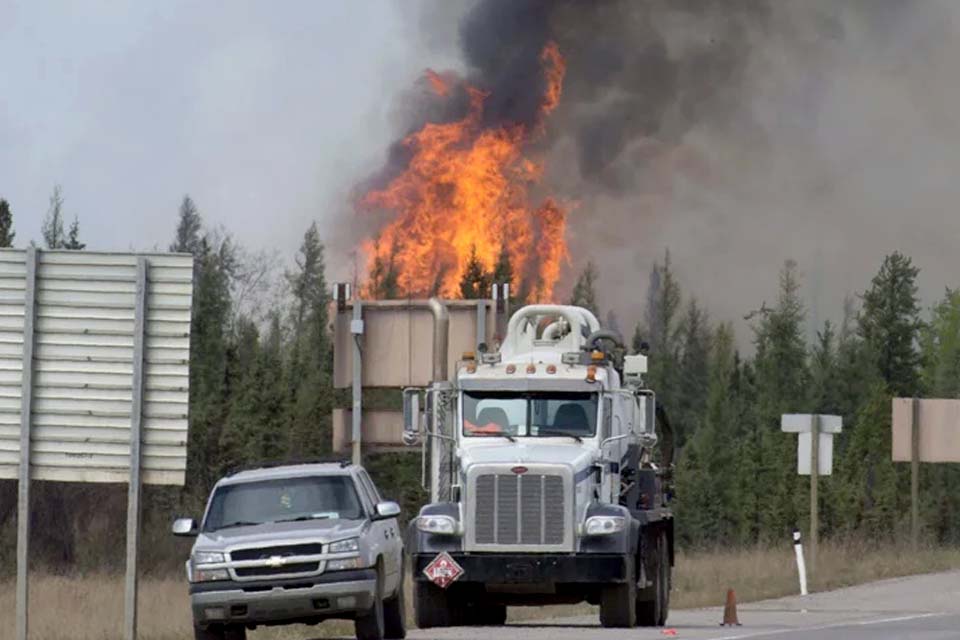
(23, 473)
(814, 458)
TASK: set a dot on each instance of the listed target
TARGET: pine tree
(889, 323)
(383, 281)
(189, 229)
(6, 225)
(475, 282)
(782, 383)
(73, 237)
(52, 229)
(661, 332)
(311, 358)
(694, 335)
(585, 290)
(503, 273)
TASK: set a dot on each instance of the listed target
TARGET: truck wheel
(394, 616)
(234, 632)
(618, 602)
(370, 625)
(430, 606)
(213, 632)
(666, 582)
(650, 601)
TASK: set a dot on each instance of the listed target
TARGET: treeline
(261, 391)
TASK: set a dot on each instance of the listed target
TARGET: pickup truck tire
(234, 632)
(219, 632)
(653, 601)
(431, 606)
(394, 616)
(371, 625)
(618, 602)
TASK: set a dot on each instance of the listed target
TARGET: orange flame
(465, 190)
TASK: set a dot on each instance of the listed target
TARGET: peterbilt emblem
(276, 561)
(519, 470)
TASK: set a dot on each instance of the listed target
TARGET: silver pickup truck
(296, 544)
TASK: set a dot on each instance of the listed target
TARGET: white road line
(836, 625)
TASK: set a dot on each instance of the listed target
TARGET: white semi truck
(540, 459)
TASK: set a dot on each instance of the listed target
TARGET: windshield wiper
(325, 516)
(238, 523)
(562, 434)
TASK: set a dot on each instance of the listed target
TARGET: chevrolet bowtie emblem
(276, 561)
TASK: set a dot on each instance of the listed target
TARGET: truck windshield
(529, 414)
(283, 499)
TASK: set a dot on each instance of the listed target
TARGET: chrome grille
(519, 509)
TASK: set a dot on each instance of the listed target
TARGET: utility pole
(814, 476)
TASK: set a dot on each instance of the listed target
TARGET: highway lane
(921, 607)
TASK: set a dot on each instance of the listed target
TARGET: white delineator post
(801, 565)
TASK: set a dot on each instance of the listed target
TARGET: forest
(261, 392)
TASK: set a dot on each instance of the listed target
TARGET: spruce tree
(475, 282)
(694, 336)
(889, 324)
(6, 225)
(503, 273)
(585, 290)
(52, 228)
(189, 228)
(73, 237)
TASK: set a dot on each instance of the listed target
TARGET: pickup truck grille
(519, 509)
(265, 553)
(287, 569)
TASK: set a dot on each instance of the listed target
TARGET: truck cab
(544, 488)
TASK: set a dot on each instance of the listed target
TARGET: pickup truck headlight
(344, 563)
(344, 546)
(604, 525)
(207, 557)
(443, 525)
(209, 575)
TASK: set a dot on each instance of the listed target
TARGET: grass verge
(91, 607)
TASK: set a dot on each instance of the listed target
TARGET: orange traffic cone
(730, 611)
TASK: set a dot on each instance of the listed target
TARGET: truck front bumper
(333, 595)
(531, 568)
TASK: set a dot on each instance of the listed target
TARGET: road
(916, 608)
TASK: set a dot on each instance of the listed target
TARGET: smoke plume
(736, 133)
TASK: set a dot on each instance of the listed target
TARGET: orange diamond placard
(443, 570)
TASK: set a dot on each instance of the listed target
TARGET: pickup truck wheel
(234, 632)
(394, 616)
(650, 602)
(618, 602)
(213, 632)
(370, 625)
(431, 606)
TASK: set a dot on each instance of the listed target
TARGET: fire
(465, 190)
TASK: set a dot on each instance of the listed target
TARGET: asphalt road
(916, 608)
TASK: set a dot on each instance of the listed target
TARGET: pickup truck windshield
(283, 499)
(531, 415)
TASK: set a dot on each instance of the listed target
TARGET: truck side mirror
(411, 416)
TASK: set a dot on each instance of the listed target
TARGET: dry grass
(91, 607)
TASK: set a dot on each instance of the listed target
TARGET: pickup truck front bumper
(338, 594)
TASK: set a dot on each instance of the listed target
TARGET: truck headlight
(344, 563)
(604, 525)
(209, 575)
(442, 525)
(344, 546)
(207, 557)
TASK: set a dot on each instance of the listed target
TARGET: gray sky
(265, 113)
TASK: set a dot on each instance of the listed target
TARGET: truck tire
(234, 632)
(370, 625)
(652, 600)
(394, 616)
(213, 632)
(431, 607)
(618, 602)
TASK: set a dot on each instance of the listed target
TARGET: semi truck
(547, 483)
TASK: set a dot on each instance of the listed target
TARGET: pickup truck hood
(575, 455)
(280, 533)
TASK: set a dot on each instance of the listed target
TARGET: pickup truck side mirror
(411, 417)
(185, 527)
(386, 510)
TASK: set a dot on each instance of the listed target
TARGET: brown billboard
(938, 422)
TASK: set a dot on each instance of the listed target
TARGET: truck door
(387, 535)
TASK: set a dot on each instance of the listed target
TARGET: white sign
(802, 424)
(82, 328)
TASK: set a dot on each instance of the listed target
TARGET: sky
(265, 113)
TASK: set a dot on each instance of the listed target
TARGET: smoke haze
(738, 134)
